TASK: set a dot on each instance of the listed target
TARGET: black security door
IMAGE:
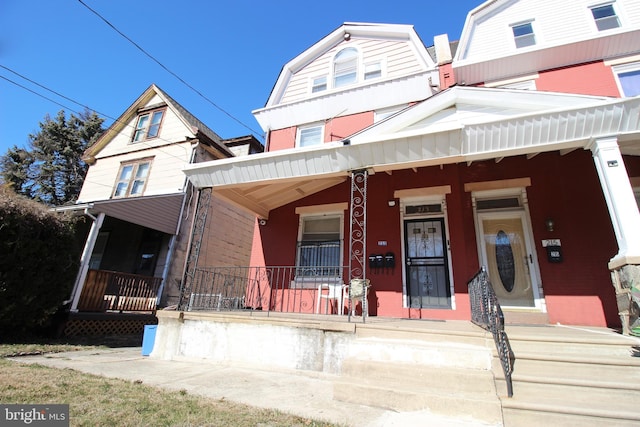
(426, 264)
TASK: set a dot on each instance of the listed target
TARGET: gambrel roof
(407, 69)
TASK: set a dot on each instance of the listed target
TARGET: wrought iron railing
(114, 291)
(487, 313)
(285, 289)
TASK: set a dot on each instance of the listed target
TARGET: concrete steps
(571, 378)
(447, 376)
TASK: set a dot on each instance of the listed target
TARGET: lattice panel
(92, 327)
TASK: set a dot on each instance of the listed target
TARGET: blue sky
(230, 51)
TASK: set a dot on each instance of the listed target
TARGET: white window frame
(129, 183)
(616, 13)
(356, 73)
(317, 86)
(621, 69)
(379, 72)
(310, 213)
(533, 34)
(308, 128)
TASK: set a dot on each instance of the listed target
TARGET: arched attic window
(345, 67)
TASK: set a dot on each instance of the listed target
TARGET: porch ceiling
(160, 213)
(535, 122)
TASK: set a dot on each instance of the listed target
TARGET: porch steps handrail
(487, 313)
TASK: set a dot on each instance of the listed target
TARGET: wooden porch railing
(114, 291)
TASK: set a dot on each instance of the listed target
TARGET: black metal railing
(291, 289)
(487, 313)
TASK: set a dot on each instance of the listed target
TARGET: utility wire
(165, 68)
(52, 91)
(82, 105)
(38, 94)
(77, 112)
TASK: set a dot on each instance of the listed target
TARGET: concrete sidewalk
(307, 394)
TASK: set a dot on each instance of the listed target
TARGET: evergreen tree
(51, 169)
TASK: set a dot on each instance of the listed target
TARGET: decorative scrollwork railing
(487, 313)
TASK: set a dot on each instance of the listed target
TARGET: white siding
(555, 22)
(398, 59)
(165, 176)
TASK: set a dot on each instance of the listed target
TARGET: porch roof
(160, 213)
(461, 124)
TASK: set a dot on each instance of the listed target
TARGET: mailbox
(554, 253)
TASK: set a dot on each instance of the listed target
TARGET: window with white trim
(372, 70)
(605, 17)
(148, 125)
(319, 246)
(523, 34)
(132, 179)
(628, 78)
(310, 135)
(345, 67)
(319, 84)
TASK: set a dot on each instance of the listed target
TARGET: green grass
(98, 401)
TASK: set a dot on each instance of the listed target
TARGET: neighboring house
(386, 162)
(139, 208)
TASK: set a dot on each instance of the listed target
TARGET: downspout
(172, 243)
(85, 258)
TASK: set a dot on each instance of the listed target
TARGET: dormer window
(523, 35)
(605, 17)
(148, 125)
(345, 67)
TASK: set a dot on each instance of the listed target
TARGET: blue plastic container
(148, 339)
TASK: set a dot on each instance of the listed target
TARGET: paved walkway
(306, 394)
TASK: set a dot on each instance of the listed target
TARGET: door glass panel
(508, 261)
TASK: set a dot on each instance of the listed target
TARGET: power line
(77, 112)
(82, 105)
(52, 91)
(165, 68)
(38, 94)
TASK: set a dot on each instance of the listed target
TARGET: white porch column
(84, 260)
(621, 202)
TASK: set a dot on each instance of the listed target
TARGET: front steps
(405, 371)
(571, 377)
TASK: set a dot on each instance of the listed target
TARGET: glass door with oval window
(508, 255)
